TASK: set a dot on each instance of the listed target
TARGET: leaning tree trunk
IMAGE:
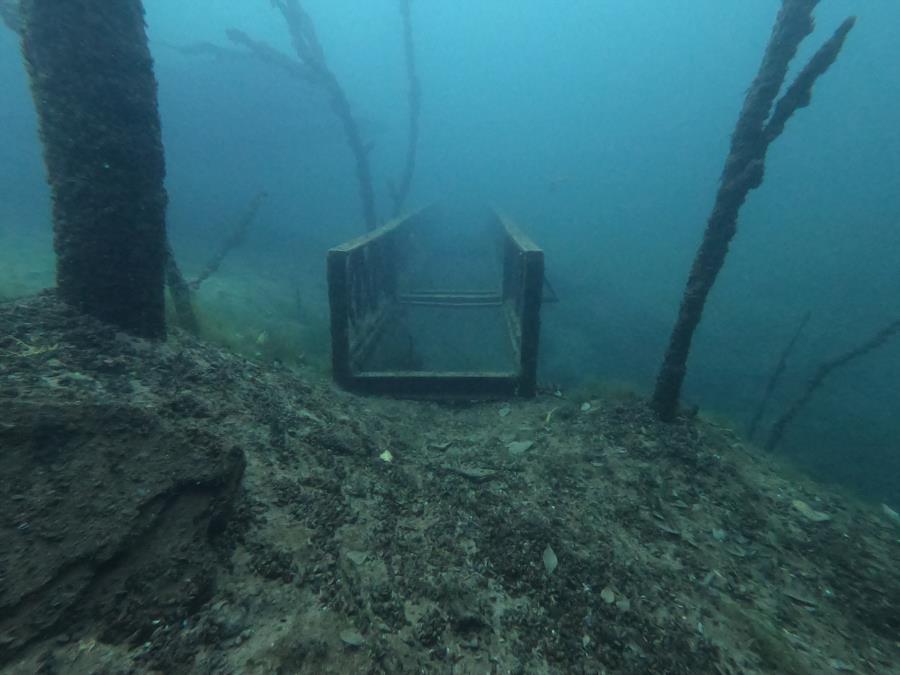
(95, 93)
(755, 131)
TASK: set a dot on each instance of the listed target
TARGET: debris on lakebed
(611, 543)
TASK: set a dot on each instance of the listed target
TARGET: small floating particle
(550, 559)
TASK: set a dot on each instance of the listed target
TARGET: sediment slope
(213, 515)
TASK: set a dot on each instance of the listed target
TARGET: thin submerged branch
(400, 192)
(312, 65)
(822, 373)
(775, 377)
(235, 239)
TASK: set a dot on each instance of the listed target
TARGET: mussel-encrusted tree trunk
(95, 94)
(758, 126)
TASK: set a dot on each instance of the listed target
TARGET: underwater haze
(602, 127)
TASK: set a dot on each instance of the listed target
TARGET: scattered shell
(550, 559)
(505, 410)
(624, 604)
(839, 665)
(585, 641)
(518, 447)
(663, 527)
(357, 557)
(810, 513)
(736, 551)
(352, 639)
(719, 534)
(797, 596)
(890, 513)
(441, 446)
(608, 596)
(585, 406)
(386, 456)
(475, 474)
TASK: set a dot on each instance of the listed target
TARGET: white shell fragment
(585, 406)
(518, 447)
(352, 639)
(386, 456)
(810, 513)
(550, 560)
(357, 557)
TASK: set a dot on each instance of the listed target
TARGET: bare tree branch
(400, 192)
(268, 54)
(775, 377)
(818, 379)
(312, 65)
(743, 172)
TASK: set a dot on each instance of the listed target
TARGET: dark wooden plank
(449, 299)
(437, 385)
(339, 302)
(369, 334)
(521, 240)
(530, 319)
(394, 225)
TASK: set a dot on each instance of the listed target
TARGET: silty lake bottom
(211, 501)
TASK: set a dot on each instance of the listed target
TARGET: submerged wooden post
(95, 93)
